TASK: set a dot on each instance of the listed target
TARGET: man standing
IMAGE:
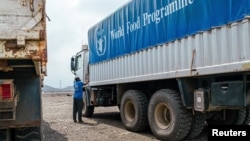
(78, 99)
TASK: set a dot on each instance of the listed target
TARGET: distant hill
(47, 88)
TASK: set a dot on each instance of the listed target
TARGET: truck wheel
(4, 134)
(168, 119)
(247, 119)
(235, 117)
(28, 134)
(198, 124)
(134, 106)
(119, 107)
(87, 111)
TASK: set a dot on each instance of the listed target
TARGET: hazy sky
(67, 31)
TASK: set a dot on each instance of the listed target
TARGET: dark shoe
(75, 121)
(80, 121)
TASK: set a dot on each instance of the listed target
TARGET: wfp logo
(101, 42)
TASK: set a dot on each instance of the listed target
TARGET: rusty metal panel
(23, 31)
(28, 109)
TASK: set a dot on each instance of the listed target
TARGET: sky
(67, 26)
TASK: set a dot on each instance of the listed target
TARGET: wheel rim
(162, 116)
(129, 111)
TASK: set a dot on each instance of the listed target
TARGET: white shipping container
(224, 49)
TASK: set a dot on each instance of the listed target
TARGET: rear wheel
(228, 117)
(87, 111)
(5, 135)
(247, 119)
(134, 106)
(198, 124)
(28, 134)
(168, 119)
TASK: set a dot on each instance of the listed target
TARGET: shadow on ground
(50, 134)
(114, 119)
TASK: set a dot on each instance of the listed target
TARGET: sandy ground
(105, 125)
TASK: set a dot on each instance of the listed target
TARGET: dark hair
(77, 79)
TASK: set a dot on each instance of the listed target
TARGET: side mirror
(72, 64)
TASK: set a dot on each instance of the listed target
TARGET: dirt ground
(105, 125)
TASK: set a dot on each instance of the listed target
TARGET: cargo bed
(223, 49)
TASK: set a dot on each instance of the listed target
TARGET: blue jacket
(78, 92)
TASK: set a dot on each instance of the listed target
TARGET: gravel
(105, 125)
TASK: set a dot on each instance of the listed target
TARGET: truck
(171, 66)
(23, 59)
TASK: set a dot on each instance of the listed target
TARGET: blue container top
(142, 24)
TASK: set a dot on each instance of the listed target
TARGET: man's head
(77, 79)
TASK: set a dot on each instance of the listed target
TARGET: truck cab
(79, 64)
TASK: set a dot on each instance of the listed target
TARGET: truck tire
(247, 119)
(232, 117)
(134, 107)
(5, 135)
(87, 111)
(198, 124)
(28, 134)
(168, 119)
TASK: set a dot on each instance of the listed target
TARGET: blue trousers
(77, 109)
